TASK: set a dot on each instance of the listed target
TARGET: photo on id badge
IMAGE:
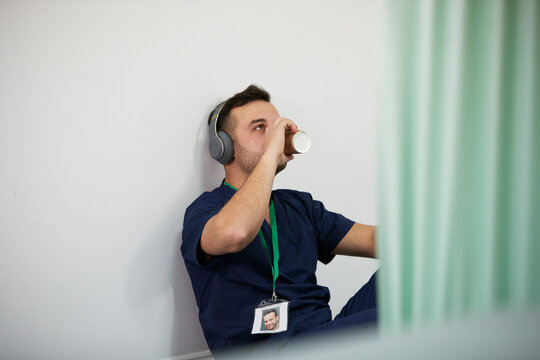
(270, 319)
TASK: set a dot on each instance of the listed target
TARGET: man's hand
(274, 143)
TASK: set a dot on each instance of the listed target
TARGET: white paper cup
(297, 143)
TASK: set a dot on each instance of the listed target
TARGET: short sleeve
(330, 228)
(195, 218)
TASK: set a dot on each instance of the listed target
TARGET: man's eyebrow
(257, 121)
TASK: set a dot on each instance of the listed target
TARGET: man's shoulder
(290, 192)
(290, 195)
(207, 195)
(199, 212)
(208, 198)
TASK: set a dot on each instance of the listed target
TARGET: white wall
(102, 147)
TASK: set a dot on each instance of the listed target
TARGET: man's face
(250, 121)
(271, 321)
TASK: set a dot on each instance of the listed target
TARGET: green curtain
(459, 146)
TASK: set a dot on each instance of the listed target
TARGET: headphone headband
(215, 116)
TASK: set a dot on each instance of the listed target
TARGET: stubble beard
(281, 167)
(247, 161)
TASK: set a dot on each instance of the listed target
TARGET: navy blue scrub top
(229, 287)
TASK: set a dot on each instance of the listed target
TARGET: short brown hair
(251, 93)
(268, 311)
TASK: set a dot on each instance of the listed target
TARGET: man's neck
(235, 179)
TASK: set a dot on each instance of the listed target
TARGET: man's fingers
(287, 124)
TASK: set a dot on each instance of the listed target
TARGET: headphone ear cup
(215, 147)
(228, 147)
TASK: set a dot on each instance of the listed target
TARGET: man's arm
(359, 241)
(238, 222)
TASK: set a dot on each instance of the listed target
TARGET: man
(271, 319)
(244, 243)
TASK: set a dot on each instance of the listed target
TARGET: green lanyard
(275, 246)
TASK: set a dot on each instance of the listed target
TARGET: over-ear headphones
(220, 143)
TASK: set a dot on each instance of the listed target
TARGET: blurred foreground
(502, 336)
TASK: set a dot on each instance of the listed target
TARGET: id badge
(271, 317)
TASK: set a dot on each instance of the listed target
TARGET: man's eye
(259, 127)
